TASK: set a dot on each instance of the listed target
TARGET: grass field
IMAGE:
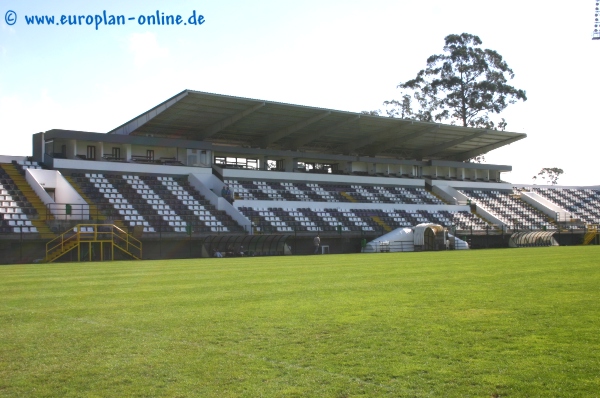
(488, 323)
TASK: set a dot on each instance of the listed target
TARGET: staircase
(84, 236)
(31, 196)
(490, 225)
(437, 196)
(349, 197)
(382, 224)
(590, 234)
(94, 212)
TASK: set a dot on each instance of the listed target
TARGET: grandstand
(294, 171)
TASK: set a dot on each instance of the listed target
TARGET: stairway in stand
(33, 198)
(347, 196)
(382, 224)
(94, 212)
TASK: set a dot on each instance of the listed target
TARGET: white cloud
(145, 48)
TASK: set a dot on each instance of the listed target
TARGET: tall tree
(464, 85)
(549, 174)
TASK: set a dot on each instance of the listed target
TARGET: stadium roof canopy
(225, 120)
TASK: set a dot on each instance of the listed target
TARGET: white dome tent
(419, 238)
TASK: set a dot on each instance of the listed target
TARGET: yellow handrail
(93, 233)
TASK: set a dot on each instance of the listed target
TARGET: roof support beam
(371, 139)
(485, 149)
(450, 144)
(411, 136)
(418, 134)
(271, 138)
(138, 122)
(221, 124)
(313, 136)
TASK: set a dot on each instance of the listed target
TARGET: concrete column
(372, 168)
(72, 149)
(127, 150)
(346, 167)
(289, 164)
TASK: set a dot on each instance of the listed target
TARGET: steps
(50, 257)
(349, 197)
(589, 237)
(83, 236)
(94, 212)
(381, 223)
(33, 198)
(590, 234)
(437, 196)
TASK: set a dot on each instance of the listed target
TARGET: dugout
(250, 245)
(532, 239)
(423, 237)
(429, 237)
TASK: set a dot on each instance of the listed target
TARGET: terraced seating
(319, 192)
(16, 212)
(111, 198)
(277, 219)
(398, 195)
(23, 165)
(582, 203)
(509, 208)
(192, 207)
(159, 204)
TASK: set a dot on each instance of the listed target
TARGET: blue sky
(346, 55)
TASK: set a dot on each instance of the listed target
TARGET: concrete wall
(449, 194)
(21, 251)
(40, 181)
(320, 178)
(89, 166)
(545, 206)
(64, 193)
(345, 206)
(471, 184)
(210, 187)
(488, 216)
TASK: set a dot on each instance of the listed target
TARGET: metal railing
(68, 212)
(93, 233)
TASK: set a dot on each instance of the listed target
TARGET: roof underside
(225, 120)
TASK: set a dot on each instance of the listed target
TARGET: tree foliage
(549, 174)
(376, 112)
(465, 85)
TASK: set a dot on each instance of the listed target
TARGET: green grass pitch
(487, 323)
